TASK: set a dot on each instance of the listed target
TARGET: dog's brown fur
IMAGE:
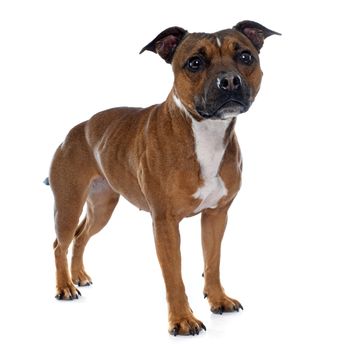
(148, 156)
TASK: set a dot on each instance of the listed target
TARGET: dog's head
(217, 75)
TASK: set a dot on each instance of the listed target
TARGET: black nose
(229, 82)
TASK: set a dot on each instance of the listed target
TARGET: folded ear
(166, 43)
(255, 32)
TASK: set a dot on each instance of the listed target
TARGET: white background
(286, 249)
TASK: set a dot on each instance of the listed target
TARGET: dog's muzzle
(225, 96)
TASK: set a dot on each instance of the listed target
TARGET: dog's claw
(86, 284)
(78, 292)
(205, 295)
(59, 296)
(175, 330)
(219, 310)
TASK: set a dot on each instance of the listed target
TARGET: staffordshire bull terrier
(175, 159)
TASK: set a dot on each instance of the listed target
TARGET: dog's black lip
(230, 101)
(204, 114)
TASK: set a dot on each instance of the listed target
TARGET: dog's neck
(211, 137)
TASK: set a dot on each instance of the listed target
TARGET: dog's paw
(187, 325)
(81, 278)
(67, 292)
(223, 303)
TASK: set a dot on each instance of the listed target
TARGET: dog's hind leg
(72, 170)
(101, 202)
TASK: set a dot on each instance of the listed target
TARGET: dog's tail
(46, 182)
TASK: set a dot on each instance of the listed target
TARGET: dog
(175, 160)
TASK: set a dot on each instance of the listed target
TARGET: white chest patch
(209, 138)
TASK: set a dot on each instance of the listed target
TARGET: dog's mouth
(229, 109)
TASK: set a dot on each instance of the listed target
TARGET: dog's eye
(246, 58)
(195, 64)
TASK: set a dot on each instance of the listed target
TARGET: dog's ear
(255, 32)
(166, 43)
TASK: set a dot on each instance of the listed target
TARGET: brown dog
(175, 160)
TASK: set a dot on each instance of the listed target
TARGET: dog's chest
(209, 138)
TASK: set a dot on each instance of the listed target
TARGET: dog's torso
(162, 160)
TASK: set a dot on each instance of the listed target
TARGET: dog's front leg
(167, 240)
(213, 227)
